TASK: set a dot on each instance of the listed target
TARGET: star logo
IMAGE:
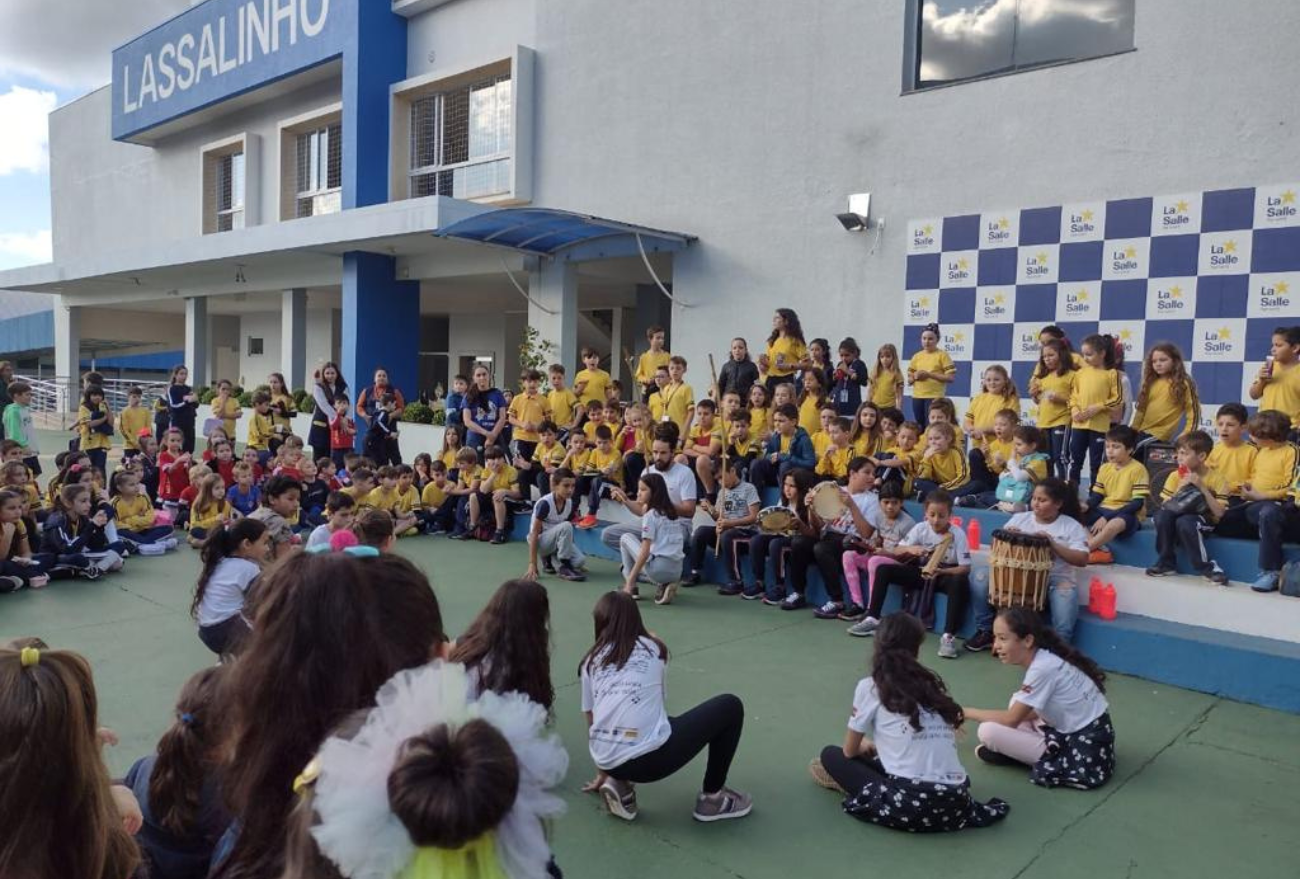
(1225, 333)
(1176, 292)
(1288, 197)
(928, 229)
(1087, 216)
(1130, 252)
(1281, 286)
(1126, 334)
(963, 264)
(999, 299)
(1081, 295)
(1229, 247)
(1004, 223)
(959, 337)
(1041, 257)
(1181, 206)
(923, 302)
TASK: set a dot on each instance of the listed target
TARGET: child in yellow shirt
(565, 411)
(929, 370)
(1051, 388)
(811, 402)
(1267, 494)
(1277, 384)
(1174, 528)
(1167, 397)
(135, 516)
(1096, 393)
(677, 398)
(95, 421)
(130, 421)
(943, 465)
(703, 444)
(998, 394)
(649, 362)
(406, 512)
(526, 414)
(833, 463)
(603, 469)
(261, 427)
(992, 451)
(590, 383)
(867, 437)
(821, 437)
(1117, 498)
(209, 508)
(1232, 456)
(899, 461)
(437, 503)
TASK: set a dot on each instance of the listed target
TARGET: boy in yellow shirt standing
(650, 361)
(1117, 498)
(1194, 499)
(677, 397)
(565, 411)
(131, 421)
(590, 383)
(526, 414)
(261, 427)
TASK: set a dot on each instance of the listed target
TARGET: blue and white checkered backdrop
(1212, 272)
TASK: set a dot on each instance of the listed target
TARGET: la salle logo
(954, 343)
(1078, 303)
(998, 231)
(958, 270)
(1124, 260)
(1224, 255)
(1082, 223)
(1275, 296)
(1170, 300)
(923, 236)
(993, 306)
(1280, 207)
(1217, 341)
(1027, 345)
(919, 308)
(1175, 215)
(1036, 265)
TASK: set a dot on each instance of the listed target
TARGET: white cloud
(69, 43)
(30, 247)
(24, 117)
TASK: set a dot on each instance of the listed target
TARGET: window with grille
(320, 171)
(223, 197)
(461, 140)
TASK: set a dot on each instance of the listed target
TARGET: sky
(51, 52)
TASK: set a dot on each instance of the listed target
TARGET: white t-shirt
(923, 535)
(868, 505)
(551, 513)
(680, 481)
(1062, 695)
(627, 706)
(665, 535)
(1064, 530)
(929, 754)
(738, 500)
(320, 535)
(223, 597)
(890, 533)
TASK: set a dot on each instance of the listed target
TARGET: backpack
(1013, 491)
(1288, 579)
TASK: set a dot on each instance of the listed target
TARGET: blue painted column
(381, 325)
(376, 59)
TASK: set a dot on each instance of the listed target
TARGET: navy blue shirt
(171, 856)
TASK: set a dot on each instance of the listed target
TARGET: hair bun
(450, 788)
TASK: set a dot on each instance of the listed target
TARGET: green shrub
(246, 399)
(302, 400)
(418, 413)
(206, 394)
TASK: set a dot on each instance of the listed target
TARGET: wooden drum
(1018, 568)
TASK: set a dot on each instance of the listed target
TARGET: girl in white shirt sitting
(630, 735)
(1058, 721)
(899, 763)
(233, 555)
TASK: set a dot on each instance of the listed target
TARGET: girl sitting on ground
(17, 567)
(631, 738)
(177, 787)
(233, 556)
(136, 517)
(76, 538)
(1058, 722)
(898, 765)
(209, 508)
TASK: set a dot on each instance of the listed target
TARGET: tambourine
(776, 520)
(828, 501)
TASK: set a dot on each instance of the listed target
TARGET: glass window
(967, 39)
(461, 141)
(230, 192)
(320, 171)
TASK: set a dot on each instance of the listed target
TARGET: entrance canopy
(562, 234)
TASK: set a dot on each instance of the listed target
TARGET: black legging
(827, 553)
(715, 724)
(909, 577)
(851, 773)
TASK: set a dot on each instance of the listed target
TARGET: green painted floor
(1205, 787)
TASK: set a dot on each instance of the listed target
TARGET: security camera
(857, 217)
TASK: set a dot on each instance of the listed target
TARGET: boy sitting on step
(1193, 500)
(1117, 497)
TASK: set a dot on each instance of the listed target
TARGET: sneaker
(636, 593)
(993, 758)
(568, 573)
(1266, 582)
(725, 804)
(1215, 574)
(852, 612)
(461, 534)
(498, 538)
(665, 593)
(793, 601)
(548, 565)
(822, 777)
(691, 579)
(40, 581)
(90, 572)
(980, 641)
(829, 611)
(171, 543)
(948, 647)
(586, 522)
(864, 628)
(752, 593)
(772, 602)
(151, 549)
(1101, 556)
(620, 798)
(1160, 569)
(734, 587)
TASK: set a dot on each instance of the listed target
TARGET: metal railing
(55, 401)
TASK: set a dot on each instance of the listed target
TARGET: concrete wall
(321, 345)
(468, 33)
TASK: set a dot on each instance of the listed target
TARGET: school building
(269, 184)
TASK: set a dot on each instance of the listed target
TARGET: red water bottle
(1108, 604)
(973, 534)
(1094, 595)
(956, 521)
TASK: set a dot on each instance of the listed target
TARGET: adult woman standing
(182, 405)
(368, 401)
(785, 349)
(483, 412)
(329, 384)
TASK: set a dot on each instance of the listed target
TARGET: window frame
(243, 211)
(320, 144)
(289, 131)
(440, 132)
(911, 56)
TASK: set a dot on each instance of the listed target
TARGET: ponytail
(1105, 343)
(221, 544)
(1060, 491)
(185, 754)
(904, 685)
(1025, 623)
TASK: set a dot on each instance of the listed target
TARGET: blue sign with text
(220, 49)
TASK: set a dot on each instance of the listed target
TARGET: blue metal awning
(554, 233)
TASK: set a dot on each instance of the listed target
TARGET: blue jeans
(1058, 451)
(1086, 443)
(921, 411)
(1062, 601)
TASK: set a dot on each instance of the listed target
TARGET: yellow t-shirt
(702, 437)
(1283, 392)
(1120, 484)
(678, 400)
(648, 364)
(1054, 413)
(563, 404)
(884, 390)
(534, 409)
(995, 448)
(361, 497)
(261, 429)
(433, 497)
(507, 477)
(821, 441)
(285, 421)
(1234, 463)
(407, 501)
(226, 412)
(836, 464)
(136, 514)
(760, 420)
(810, 414)
(208, 519)
(449, 459)
(909, 462)
(792, 349)
(866, 445)
(589, 431)
(1212, 479)
(930, 361)
(578, 461)
(383, 499)
(1274, 470)
(949, 469)
(985, 406)
(130, 421)
(603, 461)
(1095, 387)
(548, 456)
(597, 380)
(92, 439)
(1161, 416)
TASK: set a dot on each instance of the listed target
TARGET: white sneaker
(948, 647)
(152, 548)
(864, 628)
